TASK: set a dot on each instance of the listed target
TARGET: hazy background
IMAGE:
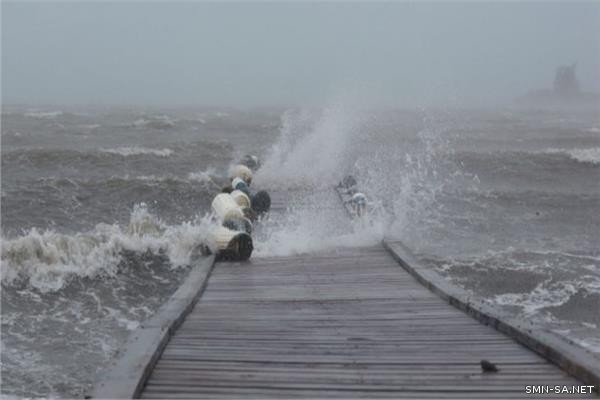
(266, 54)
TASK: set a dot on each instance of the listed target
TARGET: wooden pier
(348, 323)
(345, 324)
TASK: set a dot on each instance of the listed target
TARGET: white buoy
(240, 184)
(242, 172)
(230, 244)
(226, 208)
(250, 214)
(241, 198)
(237, 181)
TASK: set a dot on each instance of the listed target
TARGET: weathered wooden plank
(209, 393)
(356, 383)
(366, 376)
(480, 391)
(333, 358)
(339, 331)
(320, 322)
(374, 368)
(338, 353)
(379, 369)
(350, 348)
(444, 341)
(341, 314)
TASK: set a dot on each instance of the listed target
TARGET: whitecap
(157, 122)
(589, 155)
(48, 260)
(135, 151)
(205, 176)
(43, 114)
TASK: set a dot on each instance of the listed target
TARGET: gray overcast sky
(255, 54)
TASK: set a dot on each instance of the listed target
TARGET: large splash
(407, 179)
(313, 148)
(402, 174)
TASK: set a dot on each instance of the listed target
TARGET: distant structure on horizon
(565, 81)
(566, 92)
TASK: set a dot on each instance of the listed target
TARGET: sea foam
(136, 151)
(43, 114)
(589, 155)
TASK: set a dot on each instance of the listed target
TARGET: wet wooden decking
(348, 323)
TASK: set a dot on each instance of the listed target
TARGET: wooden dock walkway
(349, 323)
(364, 322)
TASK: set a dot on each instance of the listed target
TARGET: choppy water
(101, 209)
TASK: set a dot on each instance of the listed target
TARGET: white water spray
(49, 260)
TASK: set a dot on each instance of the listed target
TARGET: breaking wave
(135, 151)
(43, 114)
(537, 283)
(521, 159)
(312, 150)
(54, 157)
(208, 177)
(155, 122)
(205, 151)
(550, 294)
(590, 156)
(48, 260)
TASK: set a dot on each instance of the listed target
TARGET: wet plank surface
(350, 323)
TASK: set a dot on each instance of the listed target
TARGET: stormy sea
(102, 207)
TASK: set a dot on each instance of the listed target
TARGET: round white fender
(230, 244)
(242, 172)
(226, 208)
(242, 225)
(238, 183)
(241, 198)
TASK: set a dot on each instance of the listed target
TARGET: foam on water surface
(135, 151)
(43, 114)
(591, 155)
